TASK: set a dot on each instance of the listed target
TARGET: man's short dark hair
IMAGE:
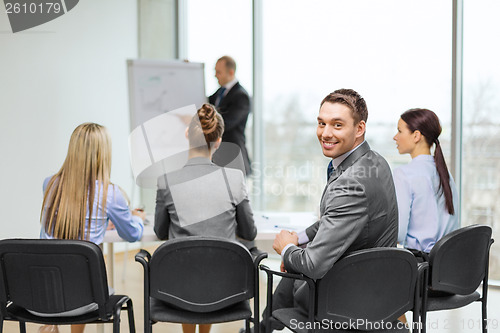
(352, 100)
(229, 62)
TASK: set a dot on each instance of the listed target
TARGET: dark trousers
(288, 294)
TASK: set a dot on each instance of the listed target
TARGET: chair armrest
(294, 276)
(115, 304)
(421, 287)
(143, 257)
(423, 275)
(422, 267)
(310, 283)
(258, 256)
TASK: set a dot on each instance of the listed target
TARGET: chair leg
(116, 324)
(269, 306)
(415, 322)
(130, 312)
(484, 315)
(22, 327)
(116, 319)
(148, 324)
(247, 326)
(423, 321)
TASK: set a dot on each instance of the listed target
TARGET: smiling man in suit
(358, 209)
(233, 103)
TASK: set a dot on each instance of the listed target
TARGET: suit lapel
(349, 161)
(227, 98)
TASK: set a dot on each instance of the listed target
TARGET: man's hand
(282, 266)
(284, 238)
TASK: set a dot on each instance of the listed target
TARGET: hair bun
(208, 119)
(206, 126)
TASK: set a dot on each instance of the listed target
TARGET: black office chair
(458, 263)
(53, 276)
(361, 292)
(200, 280)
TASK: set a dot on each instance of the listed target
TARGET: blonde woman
(83, 178)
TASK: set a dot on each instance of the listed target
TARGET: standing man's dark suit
(234, 108)
(233, 103)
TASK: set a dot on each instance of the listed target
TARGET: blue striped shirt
(128, 226)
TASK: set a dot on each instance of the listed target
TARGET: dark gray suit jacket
(358, 210)
(203, 199)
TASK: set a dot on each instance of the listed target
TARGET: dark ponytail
(427, 123)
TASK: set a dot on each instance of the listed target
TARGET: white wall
(52, 78)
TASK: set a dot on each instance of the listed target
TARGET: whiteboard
(159, 86)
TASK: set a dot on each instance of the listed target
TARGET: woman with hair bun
(203, 199)
(426, 193)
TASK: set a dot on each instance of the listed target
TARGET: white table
(270, 223)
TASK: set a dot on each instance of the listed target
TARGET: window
(217, 28)
(481, 120)
(396, 59)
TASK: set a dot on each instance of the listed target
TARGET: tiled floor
(129, 281)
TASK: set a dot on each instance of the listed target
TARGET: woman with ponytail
(203, 199)
(426, 192)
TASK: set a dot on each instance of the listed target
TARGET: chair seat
(291, 317)
(451, 302)
(160, 311)
(17, 313)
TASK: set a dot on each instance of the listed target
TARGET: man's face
(336, 130)
(222, 73)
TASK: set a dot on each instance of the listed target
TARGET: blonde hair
(72, 190)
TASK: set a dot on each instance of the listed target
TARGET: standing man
(358, 209)
(233, 103)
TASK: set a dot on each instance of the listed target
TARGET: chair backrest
(51, 276)
(202, 274)
(371, 286)
(458, 261)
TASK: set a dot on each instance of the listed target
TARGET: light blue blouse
(128, 226)
(423, 217)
